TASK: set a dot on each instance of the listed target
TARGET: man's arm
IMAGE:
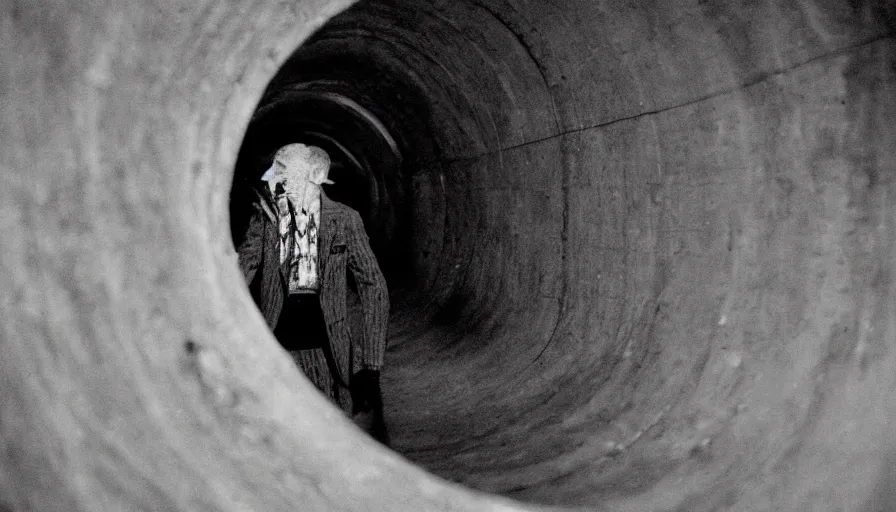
(373, 292)
(250, 248)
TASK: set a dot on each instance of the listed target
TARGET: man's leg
(308, 324)
(367, 404)
(314, 366)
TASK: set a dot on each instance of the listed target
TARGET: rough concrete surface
(651, 257)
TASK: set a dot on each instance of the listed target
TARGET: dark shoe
(367, 404)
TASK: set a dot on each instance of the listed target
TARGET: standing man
(258, 250)
(322, 240)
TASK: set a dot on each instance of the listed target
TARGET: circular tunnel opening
(588, 230)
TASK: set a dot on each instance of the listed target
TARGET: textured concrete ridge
(649, 255)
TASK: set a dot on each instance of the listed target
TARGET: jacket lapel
(267, 205)
(270, 208)
(327, 230)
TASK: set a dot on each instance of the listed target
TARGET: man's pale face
(272, 177)
(301, 175)
(282, 175)
(297, 176)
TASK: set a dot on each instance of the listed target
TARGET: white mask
(270, 174)
(300, 172)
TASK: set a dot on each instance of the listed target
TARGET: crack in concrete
(562, 303)
(565, 178)
(706, 97)
(564, 186)
(530, 54)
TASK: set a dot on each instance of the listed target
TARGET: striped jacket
(258, 252)
(344, 247)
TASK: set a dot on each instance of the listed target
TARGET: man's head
(296, 165)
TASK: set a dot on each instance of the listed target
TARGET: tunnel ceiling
(642, 240)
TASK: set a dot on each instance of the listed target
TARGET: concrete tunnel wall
(652, 259)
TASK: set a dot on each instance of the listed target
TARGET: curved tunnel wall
(659, 274)
(641, 240)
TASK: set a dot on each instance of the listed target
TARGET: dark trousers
(302, 325)
(302, 330)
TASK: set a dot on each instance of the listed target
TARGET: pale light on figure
(318, 241)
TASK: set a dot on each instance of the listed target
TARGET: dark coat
(258, 252)
(344, 247)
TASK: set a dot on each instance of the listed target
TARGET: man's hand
(367, 404)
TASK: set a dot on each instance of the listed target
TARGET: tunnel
(640, 254)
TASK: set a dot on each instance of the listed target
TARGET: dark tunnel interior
(605, 230)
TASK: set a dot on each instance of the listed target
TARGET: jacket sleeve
(250, 248)
(373, 293)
